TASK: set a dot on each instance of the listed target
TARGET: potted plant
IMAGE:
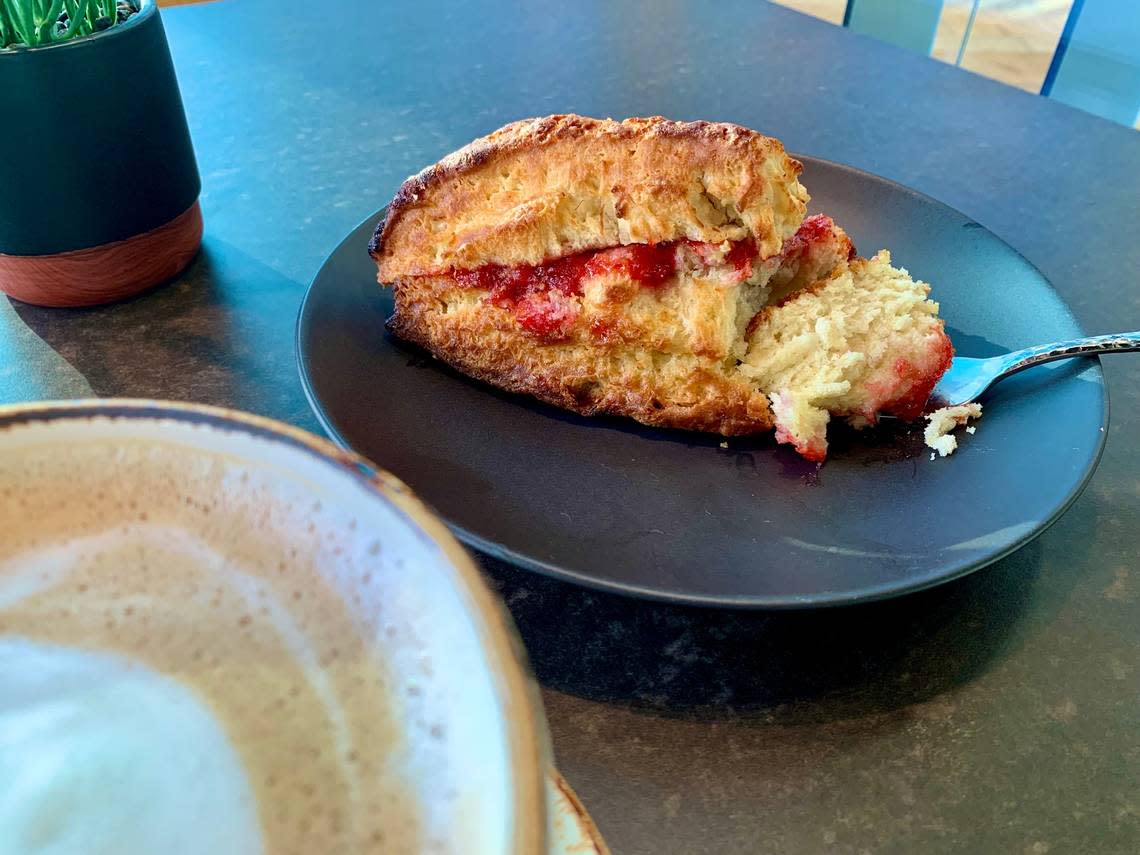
(98, 183)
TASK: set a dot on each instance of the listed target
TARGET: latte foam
(79, 736)
(232, 652)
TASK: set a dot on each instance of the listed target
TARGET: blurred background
(1085, 53)
(1091, 46)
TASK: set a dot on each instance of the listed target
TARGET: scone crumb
(941, 422)
(971, 429)
(724, 445)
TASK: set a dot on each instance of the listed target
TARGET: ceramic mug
(219, 633)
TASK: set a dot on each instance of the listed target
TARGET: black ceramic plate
(671, 515)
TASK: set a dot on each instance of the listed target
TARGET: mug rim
(524, 723)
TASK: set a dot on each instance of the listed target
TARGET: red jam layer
(917, 384)
(905, 391)
(813, 230)
(649, 264)
(529, 289)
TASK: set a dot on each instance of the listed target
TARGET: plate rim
(824, 599)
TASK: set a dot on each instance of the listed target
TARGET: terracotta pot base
(104, 274)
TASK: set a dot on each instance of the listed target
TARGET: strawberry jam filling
(539, 294)
(547, 315)
(648, 264)
(916, 383)
(814, 231)
(741, 256)
(905, 391)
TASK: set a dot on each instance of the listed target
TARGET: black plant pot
(98, 183)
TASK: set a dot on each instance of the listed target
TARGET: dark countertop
(997, 714)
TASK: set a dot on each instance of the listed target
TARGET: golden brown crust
(543, 188)
(677, 390)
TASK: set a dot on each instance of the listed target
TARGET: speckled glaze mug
(99, 196)
(221, 634)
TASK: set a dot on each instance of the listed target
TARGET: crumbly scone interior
(863, 341)
(813, 332)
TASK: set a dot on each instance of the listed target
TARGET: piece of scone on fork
(654, 269)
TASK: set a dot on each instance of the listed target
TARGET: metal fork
(968, 378)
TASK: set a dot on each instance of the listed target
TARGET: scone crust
(665, 390)
(547, 187)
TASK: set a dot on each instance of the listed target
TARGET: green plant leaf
(34, 12)
(34, 22)
(39, 19)
(6, 33)
(21, 15)
(47, 28)
(58, 35)
(13, 20)
(80, 23)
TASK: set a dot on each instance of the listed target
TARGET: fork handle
(1030, 356)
